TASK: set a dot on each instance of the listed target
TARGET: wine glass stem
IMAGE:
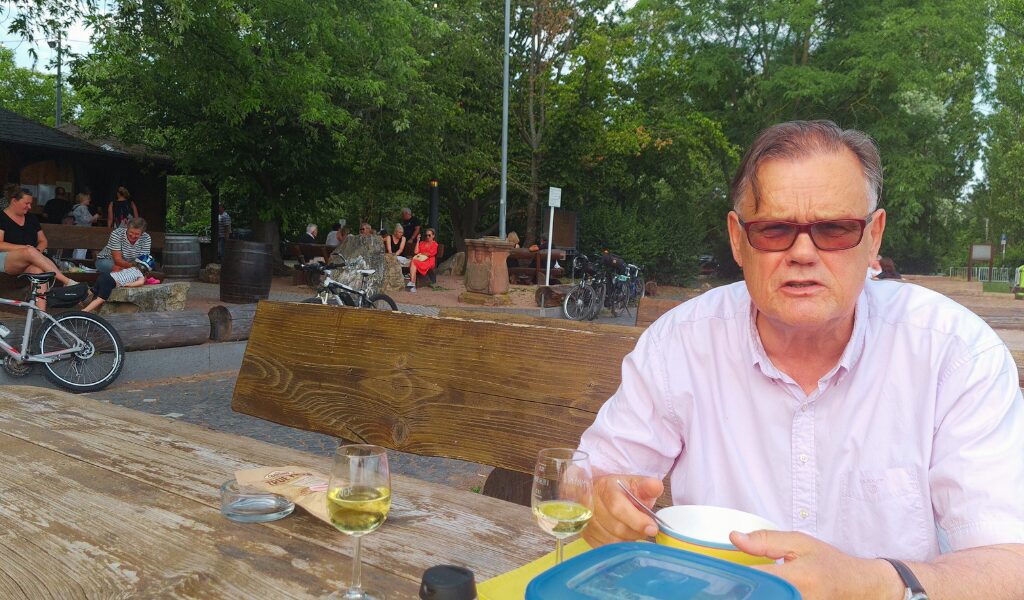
(356, 589)
(558, 551)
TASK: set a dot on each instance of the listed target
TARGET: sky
(77, 39)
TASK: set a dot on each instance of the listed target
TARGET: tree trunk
(269, 232)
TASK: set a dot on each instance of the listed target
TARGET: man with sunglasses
(880, 425)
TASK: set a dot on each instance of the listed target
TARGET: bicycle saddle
(366, 271)
(39, 277)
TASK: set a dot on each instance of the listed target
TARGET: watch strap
(909, 579)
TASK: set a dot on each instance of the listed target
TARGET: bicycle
(80, 351)
(334, 293)
(583, 302)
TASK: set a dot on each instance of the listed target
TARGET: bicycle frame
(328, 281)
(24, 355)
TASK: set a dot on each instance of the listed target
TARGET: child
(120, 277)
(83, 218)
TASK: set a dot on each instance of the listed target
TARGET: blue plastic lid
(644, 571)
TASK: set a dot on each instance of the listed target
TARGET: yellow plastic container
(705, 530)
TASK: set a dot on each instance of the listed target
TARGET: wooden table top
(100, 501)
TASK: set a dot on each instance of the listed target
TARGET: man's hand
(818, 570)
(615, 518)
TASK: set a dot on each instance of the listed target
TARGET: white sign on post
(554, 198)
(554, 201)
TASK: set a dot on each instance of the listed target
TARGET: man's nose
(803, 249)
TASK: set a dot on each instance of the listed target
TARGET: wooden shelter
(41, 158)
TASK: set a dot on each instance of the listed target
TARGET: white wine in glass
(358, 500)
(562, 498)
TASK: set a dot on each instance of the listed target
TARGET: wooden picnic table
(100, 501)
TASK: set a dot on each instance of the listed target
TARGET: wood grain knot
(402, 361)
(399, 432)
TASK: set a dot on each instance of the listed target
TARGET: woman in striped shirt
(124, 246)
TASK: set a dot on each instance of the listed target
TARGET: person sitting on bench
(423, 260)
(395, 244)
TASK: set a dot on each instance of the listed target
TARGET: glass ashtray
(247, 504)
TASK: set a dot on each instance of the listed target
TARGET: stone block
(210, 273)
(148, 298)
(456, 265)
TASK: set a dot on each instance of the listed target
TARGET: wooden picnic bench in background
(488, 392)
(68, 238)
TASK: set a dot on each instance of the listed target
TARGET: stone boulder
(210, 273)
(456, 265)
(393, 281)
(148, 298)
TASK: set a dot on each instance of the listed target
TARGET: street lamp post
(57, 45)
(504, 130)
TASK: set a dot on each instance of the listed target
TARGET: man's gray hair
(406, 209)
(801, 139)
(311, 228)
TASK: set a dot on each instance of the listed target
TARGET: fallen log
(231, 323)
(138, 331)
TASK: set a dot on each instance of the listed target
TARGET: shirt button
(804, 514)
(804, 458)
(803, 408)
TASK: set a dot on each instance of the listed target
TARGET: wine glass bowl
(358, 501)
(562, 498)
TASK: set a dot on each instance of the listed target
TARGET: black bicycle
(332, 292)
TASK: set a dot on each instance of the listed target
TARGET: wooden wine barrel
(246, 271)
(181, 259)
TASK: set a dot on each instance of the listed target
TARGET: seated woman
(888, 269)
(423, 260)
(124, 246)
(134, 276)
(395, 244)
(22, 241)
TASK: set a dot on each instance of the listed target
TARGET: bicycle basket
(67, 296)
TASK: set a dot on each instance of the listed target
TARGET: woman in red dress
(423, 260)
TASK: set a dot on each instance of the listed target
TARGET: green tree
(282, 100)
(30, 94)
(1001, 199)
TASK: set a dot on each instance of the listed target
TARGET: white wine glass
(562, 498)
(358, 500)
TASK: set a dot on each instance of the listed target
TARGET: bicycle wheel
(576, 305)
(87, 370)
(619, 300)
(381, 302)
(600, 290)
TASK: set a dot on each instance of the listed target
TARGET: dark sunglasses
(777, 236)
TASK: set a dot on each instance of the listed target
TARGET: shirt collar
(851, 354)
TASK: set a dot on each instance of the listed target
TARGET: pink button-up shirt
(916, 435)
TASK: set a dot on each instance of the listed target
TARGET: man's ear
(877, 228)
(735, 236)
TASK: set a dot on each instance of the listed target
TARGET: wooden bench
(650, 309)
(470, 389)
(307, 252)
(534, 274)
(71, 237)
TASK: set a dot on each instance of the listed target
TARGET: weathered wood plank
(491, 393)
(136, 471)
(557, 323)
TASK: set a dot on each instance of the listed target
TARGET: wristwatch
(914, 589)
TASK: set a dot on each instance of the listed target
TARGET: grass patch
(475, 489)
(999, 287)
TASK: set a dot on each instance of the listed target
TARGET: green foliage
(30, 94)
(311, 111)
(188, 205)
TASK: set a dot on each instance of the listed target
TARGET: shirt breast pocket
(884, 513)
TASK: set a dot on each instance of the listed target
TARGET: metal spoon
(643, 507)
